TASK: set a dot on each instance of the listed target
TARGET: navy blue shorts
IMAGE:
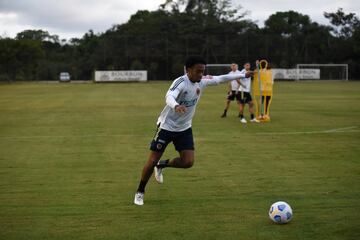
(232, 95)
(182, 140)
(245, 97)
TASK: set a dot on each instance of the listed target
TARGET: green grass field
(71, 156)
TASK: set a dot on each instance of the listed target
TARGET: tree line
(160, 40)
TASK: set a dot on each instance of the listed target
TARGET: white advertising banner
(120, 76)
(301, 73)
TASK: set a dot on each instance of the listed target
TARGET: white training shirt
(245, 85)
(234, 83)
(184, 92)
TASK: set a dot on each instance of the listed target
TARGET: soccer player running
(233, 88)
(174, 122)
(244, 96)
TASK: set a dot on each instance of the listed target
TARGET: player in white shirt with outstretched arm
(174, 123)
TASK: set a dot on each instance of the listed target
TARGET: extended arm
(215, 80)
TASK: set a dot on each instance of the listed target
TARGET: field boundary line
(344, 129)
(329, 131)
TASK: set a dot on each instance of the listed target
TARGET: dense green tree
(160, 40)
(296, 39)
(37, 35)
(346, 45)
(343, 25)
(19, 59)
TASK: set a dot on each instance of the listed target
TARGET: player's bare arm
(249, 74)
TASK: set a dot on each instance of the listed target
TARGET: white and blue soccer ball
(280, 212)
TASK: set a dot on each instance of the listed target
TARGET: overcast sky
(72, 18)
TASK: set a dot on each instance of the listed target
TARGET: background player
(233, 89)
(174, 122)
(244, 96)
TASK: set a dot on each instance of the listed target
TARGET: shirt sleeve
(173, 93)
(215, 80)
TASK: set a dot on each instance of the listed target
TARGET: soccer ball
(280, 212)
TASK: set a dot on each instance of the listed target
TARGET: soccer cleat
(223, 116)
(158, 174)
(243, 120)
(254, 120)
(139, 198)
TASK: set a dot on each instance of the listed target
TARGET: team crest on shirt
(198, 91)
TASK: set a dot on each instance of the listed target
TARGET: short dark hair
(191, 61)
